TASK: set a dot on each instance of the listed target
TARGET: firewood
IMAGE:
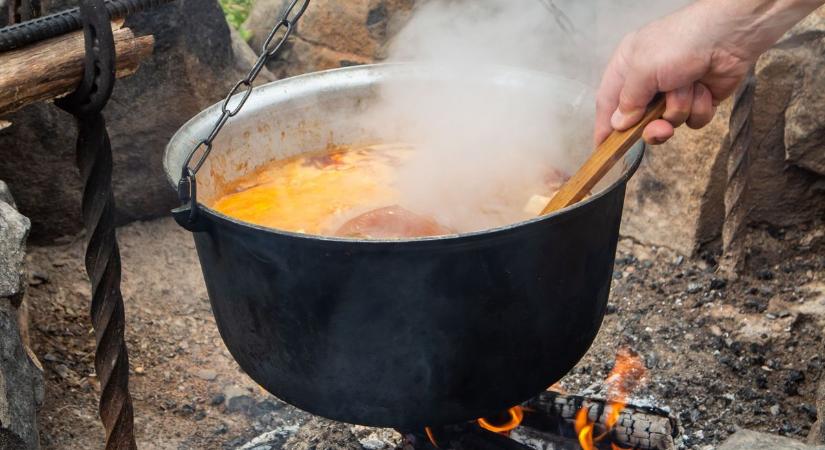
(540, 440)
(638, 427)
(54, 67)
(466, 436)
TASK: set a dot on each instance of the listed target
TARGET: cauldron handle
(183, 216)
(188, 213)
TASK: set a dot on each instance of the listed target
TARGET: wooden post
(54, 67)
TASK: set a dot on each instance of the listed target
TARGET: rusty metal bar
(740, 139)
(94, 159)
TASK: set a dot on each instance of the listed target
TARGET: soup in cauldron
(345, 192)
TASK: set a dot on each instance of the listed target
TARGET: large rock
(5, 193)
(193, 66)
(21, 380)
(21, 385)
(677, 198)
(14, 228)
(805, 115)
(331, 33)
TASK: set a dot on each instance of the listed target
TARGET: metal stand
(94, 159)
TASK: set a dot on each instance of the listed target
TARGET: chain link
(243, 88)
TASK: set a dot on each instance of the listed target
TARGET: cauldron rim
(634, 156)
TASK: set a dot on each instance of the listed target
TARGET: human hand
(696, 56)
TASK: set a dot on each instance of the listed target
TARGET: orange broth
(348, 192)
(316, 193)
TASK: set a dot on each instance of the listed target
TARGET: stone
(676, 200)
(322, 433)
(693, 288)
(5, 194)
(195, 62)
(782, 190)
(817, 434)
(273, 438)
(21, 378)
(752, 440)
(238, 399)
(21, 385)
(217, 399)
(805, 116)
(331, 33)
(377, 438)
(14, 228)
(206, 374)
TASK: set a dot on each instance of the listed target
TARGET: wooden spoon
(602, 160)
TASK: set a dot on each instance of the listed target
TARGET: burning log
(549, 423)
(539, 440)
(468, 436)
(54, 67)
(637, 427)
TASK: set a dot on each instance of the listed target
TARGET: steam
(482, 152)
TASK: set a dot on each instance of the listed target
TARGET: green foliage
(236, 12)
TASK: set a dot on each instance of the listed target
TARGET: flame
(431, 436)
(516, 414)
(584, 429)
(625, 377)
(615, 411)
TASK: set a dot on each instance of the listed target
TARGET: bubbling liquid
(346, 192)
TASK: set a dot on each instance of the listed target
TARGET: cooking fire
(557, 421)
(412, 224)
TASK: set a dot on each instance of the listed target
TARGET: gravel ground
(722, 352)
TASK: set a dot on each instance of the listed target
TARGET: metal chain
(187, 190)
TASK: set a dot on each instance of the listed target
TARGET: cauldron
(396, 333)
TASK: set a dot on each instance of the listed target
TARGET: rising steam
(481, 152)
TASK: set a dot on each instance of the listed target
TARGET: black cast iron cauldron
(406, 333)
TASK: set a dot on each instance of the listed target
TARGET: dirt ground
(721, 352)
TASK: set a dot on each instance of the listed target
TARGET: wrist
(750, 27)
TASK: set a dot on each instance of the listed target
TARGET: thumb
(638, 91)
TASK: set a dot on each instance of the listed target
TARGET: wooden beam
(54, 67)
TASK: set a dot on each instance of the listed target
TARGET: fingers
(679, 105)
(692, 106)
(702, 109)
(630, 83)
(607, 100)
(639, 89)
(658, 132)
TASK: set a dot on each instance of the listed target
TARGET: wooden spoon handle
(602, 160)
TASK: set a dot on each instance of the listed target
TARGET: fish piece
(391, 222)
